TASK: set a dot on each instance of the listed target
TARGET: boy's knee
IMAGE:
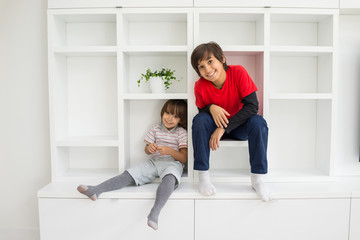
(258, 122)
(200, 120)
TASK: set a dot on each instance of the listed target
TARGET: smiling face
(212, 70)
(170, 120)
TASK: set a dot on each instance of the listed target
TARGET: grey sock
(112, 184)
(163, 193)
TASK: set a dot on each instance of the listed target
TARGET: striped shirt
(175, 138)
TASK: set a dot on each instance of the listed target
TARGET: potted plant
(159, 80)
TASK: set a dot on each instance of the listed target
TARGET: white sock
(260, 188)
(205, 186)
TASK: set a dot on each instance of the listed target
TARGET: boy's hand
(164, 150)
(214, 142)
(219, 115)
(152, 148)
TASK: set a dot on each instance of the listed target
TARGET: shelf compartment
(300, 135)
(135, 64)
(254, 65)
(139, 116)
(301, 73)
(233, 143)
(155, 29)
(83, 29)
(241, 28)
(229, 163)
(86, 162)
(301, 29)
(84, 102)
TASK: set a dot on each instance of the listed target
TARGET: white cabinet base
(311, 211)
(113, 219)
(355, 219)
(295, 219)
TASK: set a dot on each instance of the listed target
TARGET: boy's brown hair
(204, 51)
(176, 107)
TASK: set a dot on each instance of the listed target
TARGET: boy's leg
(202, 128)
(114, 183)
(163, 193)
(256, 131)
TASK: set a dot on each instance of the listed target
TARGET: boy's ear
(223, 60)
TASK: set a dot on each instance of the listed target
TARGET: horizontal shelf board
(85, 15)
(168, 49)
(300, 50)
(86, 50)
(244, 49)
(98, 173)
(88, 141)
(350, 11)
(302, 13)
(233, 143)
(158, 10)
(274, 175)
(301, 96)
(141, 96)
(189, 190)
(226, 7)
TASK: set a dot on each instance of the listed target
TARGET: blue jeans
(254, 130)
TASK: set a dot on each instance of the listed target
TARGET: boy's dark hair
(204, 51)
(176, 107)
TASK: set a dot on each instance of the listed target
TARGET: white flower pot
(157, 85)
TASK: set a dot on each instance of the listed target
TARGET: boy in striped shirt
(166, 143)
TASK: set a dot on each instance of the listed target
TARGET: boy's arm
(180, 155)
(219, 115)
(250, 108)
(205, 109)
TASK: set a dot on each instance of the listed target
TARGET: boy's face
(170, 120)
(212, 69)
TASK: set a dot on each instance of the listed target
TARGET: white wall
(24, 127)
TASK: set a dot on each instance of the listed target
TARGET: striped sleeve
(183, 138)
(150, 135)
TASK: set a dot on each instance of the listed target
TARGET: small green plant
(166, 74)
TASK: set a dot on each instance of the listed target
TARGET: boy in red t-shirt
(228, 106)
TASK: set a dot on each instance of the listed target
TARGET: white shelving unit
(301, 84)
(99, 114)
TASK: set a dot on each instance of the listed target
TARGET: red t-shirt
(238, 84)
